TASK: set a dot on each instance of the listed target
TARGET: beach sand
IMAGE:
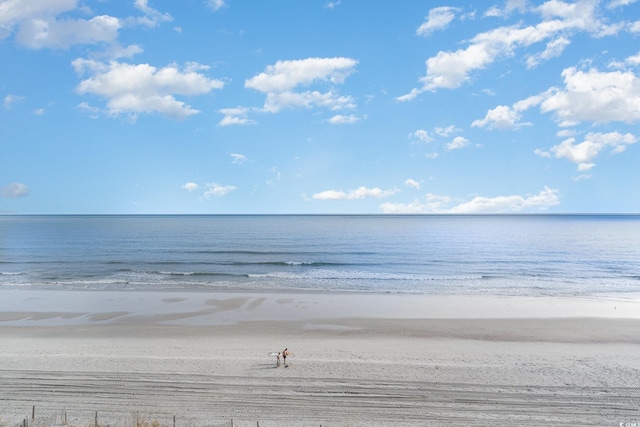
(359, 360)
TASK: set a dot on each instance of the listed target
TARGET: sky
(319, 107)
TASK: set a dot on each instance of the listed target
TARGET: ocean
(510, 255)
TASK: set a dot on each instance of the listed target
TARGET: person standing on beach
(284, 356)
(278, 360)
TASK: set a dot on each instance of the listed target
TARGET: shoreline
(59, 308)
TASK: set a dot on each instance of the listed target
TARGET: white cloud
(39, 24)
(553, 50)
(280, 81)
(332, 4)
(212, 189)
(541, 201)
(619, 3)
(116, 51)
(585, 166)
(15, 12)
(190, 186)
(217, 190)
(359, 193)
(633, 60)
(457, 143)
(532, 101)
(62, 34)
(14, 190)
(412, 183)
(9, 100)
(421, 136)
(501, 117)
(505, 117)
(424, 137)
(416, 207)
(339, 119)
(594, 96)
(142, 88)
(277, 101)
(585, 152)
(235, 116)
(450, 70)
(286, 75)
(542, 153)
(152, 17)
(409, 96)
(216, 4)
(565, 133)
(510, 7)
(516, 5)
(581, 177)
(238, 158)
(502, 204)
(446, 131)
(591, 96)
(439, 18)
(93, 112)
(493, 11)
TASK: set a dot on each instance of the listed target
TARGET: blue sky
(345, 106)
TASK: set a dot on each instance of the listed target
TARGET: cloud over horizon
(357, 194)
(435, 204)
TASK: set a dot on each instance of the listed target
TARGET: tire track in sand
(302, 401)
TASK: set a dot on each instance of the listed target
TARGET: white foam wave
(361, 275)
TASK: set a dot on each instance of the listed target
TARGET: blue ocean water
(526, 255)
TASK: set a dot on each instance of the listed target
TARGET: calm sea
(494, 255)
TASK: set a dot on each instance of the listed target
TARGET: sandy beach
(359, 360)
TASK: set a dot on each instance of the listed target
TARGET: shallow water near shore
(508, 255)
